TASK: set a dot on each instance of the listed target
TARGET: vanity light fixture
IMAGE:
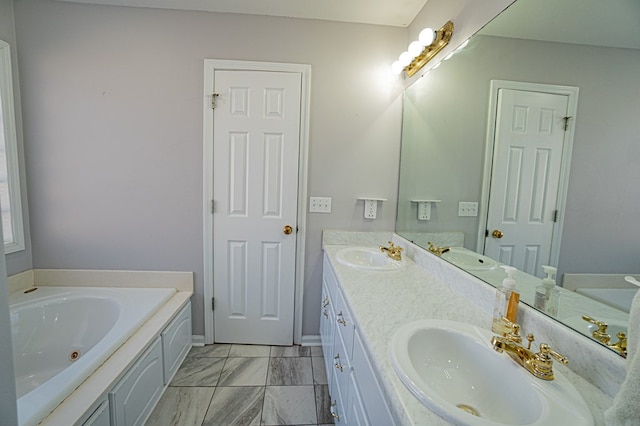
(421, 51)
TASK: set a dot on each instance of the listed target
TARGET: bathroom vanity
(362, 309)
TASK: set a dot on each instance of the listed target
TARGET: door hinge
(566, 123)
(213, 100)
(213, 206)
(555, 215)
(213, 303)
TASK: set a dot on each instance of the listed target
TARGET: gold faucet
(621, 345)
(539, 364)
(601, 335)
(438, 251)
(394, 252)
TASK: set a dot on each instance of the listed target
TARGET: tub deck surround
(51, 322)
(96, 386)
(181, 281)
(382, 302)
(74, 408)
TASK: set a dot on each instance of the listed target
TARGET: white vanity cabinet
(356, 396)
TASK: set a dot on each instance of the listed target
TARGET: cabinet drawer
(176, 342)
(344, 323)
(135, 395)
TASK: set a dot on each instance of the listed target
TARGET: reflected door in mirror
(525, 177)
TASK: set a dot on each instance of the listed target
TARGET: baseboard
(311, 340)
(197, 340)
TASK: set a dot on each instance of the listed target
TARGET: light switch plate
(319, 204)
(467, 208)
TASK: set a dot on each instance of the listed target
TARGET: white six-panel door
(256, 145)
(530, 132)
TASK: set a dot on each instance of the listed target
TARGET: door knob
(287, 229)
(497, 234)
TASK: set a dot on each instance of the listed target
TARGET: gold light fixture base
(443, 36)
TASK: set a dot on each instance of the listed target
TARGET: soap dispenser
(506, 304)
(547, 294)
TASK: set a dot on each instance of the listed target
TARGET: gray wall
(113, 129)
(18, 261)
(604, 186)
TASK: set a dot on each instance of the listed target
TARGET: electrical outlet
(370, 209)
(424, 211)
(467, 208)
(320, 205)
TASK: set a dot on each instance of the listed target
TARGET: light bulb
(427, 36)
(415, 48)
(396, 68)
(462, 46)
(405, 59)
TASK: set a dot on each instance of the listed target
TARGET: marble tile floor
(228, 385)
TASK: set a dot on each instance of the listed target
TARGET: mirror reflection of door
(524, 203)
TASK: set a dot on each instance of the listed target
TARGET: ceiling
(397, 13)
(610, 23)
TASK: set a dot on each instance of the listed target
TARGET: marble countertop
(381, 302)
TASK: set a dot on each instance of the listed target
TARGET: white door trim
(210, 66)
(572, 93)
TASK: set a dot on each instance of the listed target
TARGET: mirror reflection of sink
(468, 259)
(368, 258)
(453, 370)
(587, 328)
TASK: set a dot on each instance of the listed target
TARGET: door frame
(210, 67)
(563, 184)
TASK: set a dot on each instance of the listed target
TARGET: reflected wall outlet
(320, 205)
(370, 209)
(467, 208)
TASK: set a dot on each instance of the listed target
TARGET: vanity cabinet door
(372, 396)
(356, 413)
(135, 395)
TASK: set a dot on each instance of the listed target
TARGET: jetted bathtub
(61, 335)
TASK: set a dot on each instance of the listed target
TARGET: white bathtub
(53, 325)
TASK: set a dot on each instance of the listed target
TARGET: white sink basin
(453, 370)
(468, 259)
(368, 258)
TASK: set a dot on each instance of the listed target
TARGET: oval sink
(368, 258)
(468, 259)
(453, 370)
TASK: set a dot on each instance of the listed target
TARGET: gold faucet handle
(514, 334)
(547, 353)
(621, 345)
(602, 326)
(542, 364)
(601, 333)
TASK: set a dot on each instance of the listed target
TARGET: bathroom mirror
(584, 44)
